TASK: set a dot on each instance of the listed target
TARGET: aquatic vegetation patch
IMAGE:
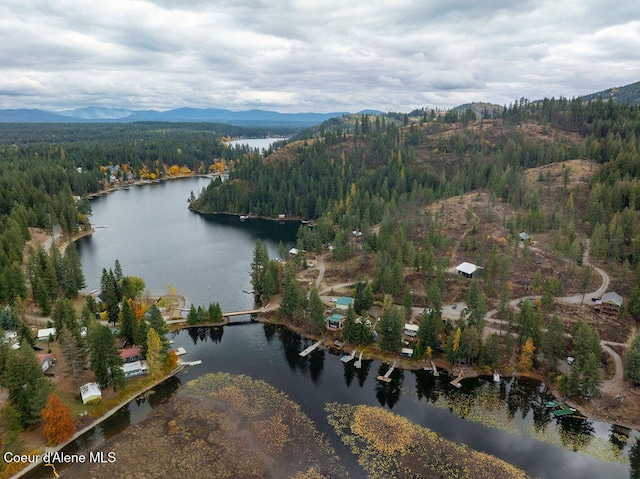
(388, 446)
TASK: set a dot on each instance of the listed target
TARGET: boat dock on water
(310, 348)
(386, 377)
(348, 357)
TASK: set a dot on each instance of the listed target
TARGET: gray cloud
(301, 55)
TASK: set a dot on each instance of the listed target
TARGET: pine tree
(64, 317)
(192, 316)
(316, 312)
(128, 322)
(349, 333)
(157, 322)
(27, 387)
(75, 355)
(554, 341)
(390, 330)
(106, 362)
(58, 423)
(632, 359)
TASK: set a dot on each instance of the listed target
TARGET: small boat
(244, 217)
(552, 403)
(180, 351)
(496, 377)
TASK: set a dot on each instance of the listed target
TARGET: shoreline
(327, 343)
(97, 421)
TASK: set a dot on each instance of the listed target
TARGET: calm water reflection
(270, 353)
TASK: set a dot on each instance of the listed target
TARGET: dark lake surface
(154, 236)
(207, 259)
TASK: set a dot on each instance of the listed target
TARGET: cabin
(135, 368)
(344, 302)
(610, 303)
(130, 355)
(411, 330)
(46, 361)
(469, 270)
(90, 393)
(46, 333)
(407, 353)
(335, 322)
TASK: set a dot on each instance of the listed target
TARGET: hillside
(624, 94)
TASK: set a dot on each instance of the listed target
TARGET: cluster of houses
(335, 322)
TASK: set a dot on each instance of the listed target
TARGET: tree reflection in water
(389, 393)
(634, 461)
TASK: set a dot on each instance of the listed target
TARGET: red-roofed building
(129, 355)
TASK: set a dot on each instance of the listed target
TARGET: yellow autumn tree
(155, 359)
(525, 362)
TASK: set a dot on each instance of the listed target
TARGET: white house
(135, 368)
(44, 334)
(90, 393)
(411, 330)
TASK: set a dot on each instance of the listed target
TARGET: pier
(358, 363)
(386, 377)
(456, 381)
(314, 346)
(434, 369)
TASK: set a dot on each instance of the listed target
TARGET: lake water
(207, 259)
(259, 143)
(154, 236)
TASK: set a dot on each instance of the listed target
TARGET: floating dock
(310, 348)
(386, 377)
(348, 357)
(180, 351)
(434, 369)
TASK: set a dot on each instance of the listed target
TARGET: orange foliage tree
(58, 423)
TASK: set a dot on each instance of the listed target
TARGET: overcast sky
(311, 55)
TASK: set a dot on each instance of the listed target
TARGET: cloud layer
(307, 55)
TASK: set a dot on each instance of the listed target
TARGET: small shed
(294, 251)
(134, 368)
(469, 270)
(344, 302)
(90, 393)
(46, 360)
(411, 330)
(525, 237)
(335, 322)
(44, 334)
(407, 352)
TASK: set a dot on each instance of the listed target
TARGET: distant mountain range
(255, 118)
(215, 115)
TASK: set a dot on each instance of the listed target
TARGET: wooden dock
(386, 377)
(310, 348)
(456, 381)
(358, 363)
(434, 369)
